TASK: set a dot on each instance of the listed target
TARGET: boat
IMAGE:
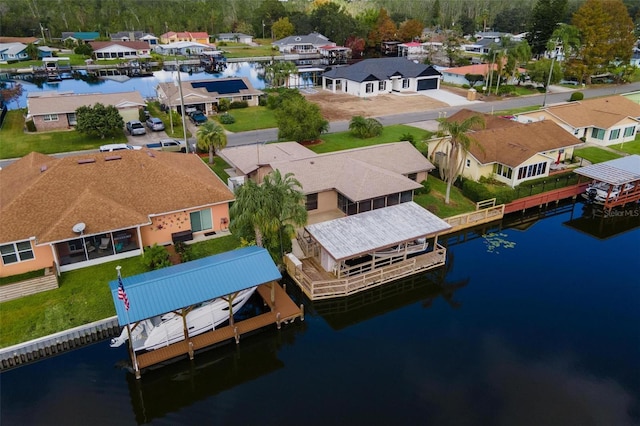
(163, 330)
(417, 246)
(599, 192)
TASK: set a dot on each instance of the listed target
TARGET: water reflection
(601, 224)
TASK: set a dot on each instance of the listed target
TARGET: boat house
(615, 183)
(344, 256)
(181, 289)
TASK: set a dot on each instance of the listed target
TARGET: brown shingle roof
(105, 195)
(599, 112)
(64, 103)
(490, 121)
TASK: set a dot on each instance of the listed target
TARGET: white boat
(599, 192)
(163, 330)
(413, 247)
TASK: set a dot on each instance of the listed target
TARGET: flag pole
(126, 313)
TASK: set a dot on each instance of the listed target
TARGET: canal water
(145, 85)
(534, 321)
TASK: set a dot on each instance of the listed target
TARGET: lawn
(344, 140)
(47, 142)
(595, 155)
(83, 297)
(238, 50)
(628, 147)
(434, 200)
(252, 118)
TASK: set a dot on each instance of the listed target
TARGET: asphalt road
(268, 135)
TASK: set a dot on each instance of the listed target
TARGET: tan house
(205, 94)
(603, 121)
(337, 183)
(88, 209)
(57, 110)
(172, 37)
(120, 49)
(511, 152)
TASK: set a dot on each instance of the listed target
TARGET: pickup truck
(197, 118)
(173, 145)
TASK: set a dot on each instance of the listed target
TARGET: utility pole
(184, 124)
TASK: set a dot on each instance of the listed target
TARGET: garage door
(428, 84)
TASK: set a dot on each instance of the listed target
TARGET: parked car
(173, 145)
(155, 124)
(197, 118)
(135, 127)
(118, 147)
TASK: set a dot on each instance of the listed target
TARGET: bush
(576, 96)
(238, 104)
(409, 137)
(156, 257)
(31, 127)
(466, 86)
(223, 104)
(475, 191)
(262, 101)
(426, 188)
(506, 89)
(183, 251)
(227, 118)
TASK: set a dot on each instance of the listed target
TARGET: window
(382, 86)
(201, 220)
(597, 133)
(628, 131)
(312, 201)
(530, 170)
(378, 203)
(247, 97)
(16, 252)
(364, 206)
(502, 170)
(413, 176)
(405, 83)
(468, 162)
(406, 196)
(369, 88)
(50, 117)
(615, 134)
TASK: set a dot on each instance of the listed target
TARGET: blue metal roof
(164, 290)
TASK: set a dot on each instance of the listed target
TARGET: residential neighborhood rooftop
(598, 112)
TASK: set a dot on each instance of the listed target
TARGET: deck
(282, 310)
(545, 198)
(318, 284)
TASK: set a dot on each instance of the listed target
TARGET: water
(543, 333)
(145, 85)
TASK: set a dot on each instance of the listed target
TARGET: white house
(310, 43)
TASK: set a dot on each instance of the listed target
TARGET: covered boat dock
(344, 256)
(179, 288)
(618, 179)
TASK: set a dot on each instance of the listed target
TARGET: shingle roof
(598, 112)
(511, 143)
(245, 158)
(44, 197)
(133, 45)
(316, 39)
(40, 103)
(198, 90)
(382, 69)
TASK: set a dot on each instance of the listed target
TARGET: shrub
(227, 118)
(506, 89)
(466, 86)
(223, 104)
(426, 188)
(156, 257)
(475, 191)
(31, 127)
(183, 251)
(238, 104)
(409, 137)
(576, 96)
(262, 101)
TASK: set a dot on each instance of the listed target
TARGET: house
(337, 183)
(234, 38)
(603, 121)
(457, 75)
(78, 211)
(57, 110)
(412, 50)
(79, 36)
(511, 152)
(196, 37)
(372, 77)
(120, 49)
(12, 52)
(23, 40)
(150, 39)
(206, 94)
(184, 48)
(310, 43)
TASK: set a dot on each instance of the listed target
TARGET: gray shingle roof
(381, 69)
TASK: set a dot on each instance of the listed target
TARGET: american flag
(122, 295)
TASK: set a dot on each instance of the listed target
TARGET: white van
(118, 147)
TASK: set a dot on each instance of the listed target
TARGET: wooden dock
(543, 199)
(282, 310)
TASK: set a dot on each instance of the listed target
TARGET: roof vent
(112, 158)
(43, 168)
(86, 161)
(151, 154)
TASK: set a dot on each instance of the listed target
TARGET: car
(135, 128)
(118, 147)
(155, 124)
(197, 118)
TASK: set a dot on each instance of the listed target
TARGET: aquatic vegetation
(496, 240)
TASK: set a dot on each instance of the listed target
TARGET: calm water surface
(538, 324)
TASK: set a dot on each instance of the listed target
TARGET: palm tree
(358, 125)
(269, 212)
(211, 136)
(457, 143)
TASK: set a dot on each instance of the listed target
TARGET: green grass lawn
(434, 200)
(595, 155)
(16, 143)
(628, 147)
(252, 118)
(238, 50)
(83, 297)
(344, 140)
